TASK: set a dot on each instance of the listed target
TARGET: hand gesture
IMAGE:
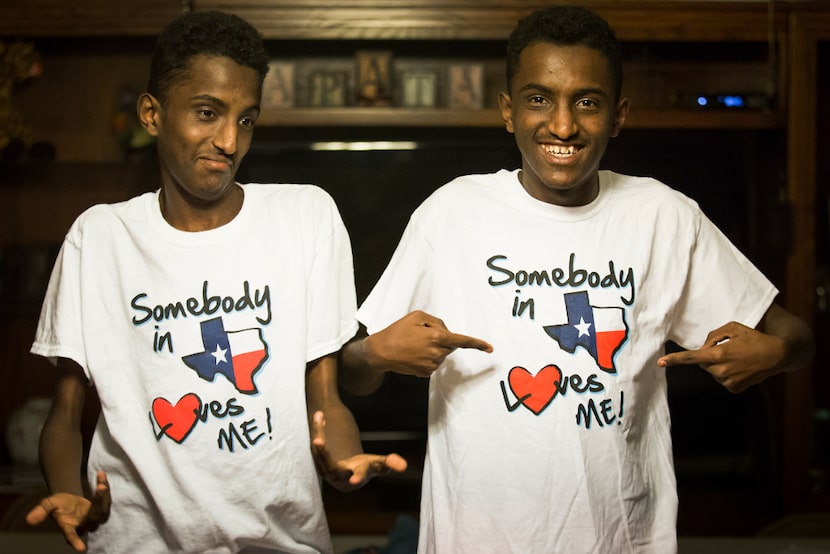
(75, 515)
(737, 356)
(353, 472)
(417, 344)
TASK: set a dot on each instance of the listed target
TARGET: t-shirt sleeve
(404, 285)
(332, 302)
(59, 331)
(722, 285)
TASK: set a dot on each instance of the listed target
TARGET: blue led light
(733, 101)
(702, 101)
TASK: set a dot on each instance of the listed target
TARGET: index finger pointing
(687, 357)
(454, 340)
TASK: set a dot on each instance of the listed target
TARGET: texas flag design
(601, 331)
(237, 355)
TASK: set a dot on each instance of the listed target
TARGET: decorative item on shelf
(374, 77)
(19, 63)
(328, 88)
(23, 430)
(466, 84)
(278, 87)
(129, 132)
(324, 83)
(419, 87)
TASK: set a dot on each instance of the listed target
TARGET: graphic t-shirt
(197, 344)
(559, 440)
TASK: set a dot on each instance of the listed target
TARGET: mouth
(217, 164)
(560, 151)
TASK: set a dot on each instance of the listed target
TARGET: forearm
(358, 371)
(342, 433)
(61, 442)
(61, 454)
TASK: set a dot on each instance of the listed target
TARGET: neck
(195, 217)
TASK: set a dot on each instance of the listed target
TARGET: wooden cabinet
(83, 18)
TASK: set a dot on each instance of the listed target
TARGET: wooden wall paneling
(494, 19)
(55, 18)
(809, 23)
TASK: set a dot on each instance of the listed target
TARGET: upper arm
(796, 334)
(70, 393)
(778, 321)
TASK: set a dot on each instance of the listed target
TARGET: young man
(207, 316)
(555, 438)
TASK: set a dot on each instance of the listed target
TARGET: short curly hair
(211, 33)
(566, 25)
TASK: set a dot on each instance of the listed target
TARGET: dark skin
(204, 129)
(563, 111)
(61, 451)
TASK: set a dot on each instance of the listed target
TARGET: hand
(75, 515)
(417, 344)
(353, 472)
(737, 356)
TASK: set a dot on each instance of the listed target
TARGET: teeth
(557, 150)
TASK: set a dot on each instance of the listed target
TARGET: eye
(247, 122)
(588, 104)
(206, 113)
(537, 101)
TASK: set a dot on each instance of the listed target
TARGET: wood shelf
(647, 20)
(637, 20)
(408, 117)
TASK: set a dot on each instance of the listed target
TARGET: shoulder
(302, 204)
(645, 192)
(284, 193)
(467, 189)
(105, 217)
(287, 197)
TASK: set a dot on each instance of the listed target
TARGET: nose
(562, 123)
(226, 137)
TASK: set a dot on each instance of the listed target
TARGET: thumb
(37, 515)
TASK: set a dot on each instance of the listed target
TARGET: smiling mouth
(560, 151)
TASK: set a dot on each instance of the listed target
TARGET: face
(562, 110)
(203, 130)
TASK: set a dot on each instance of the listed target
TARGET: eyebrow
(580, 92)
(222, 104)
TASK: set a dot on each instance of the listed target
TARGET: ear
(506, 107)
(620, 115)
(148, 109)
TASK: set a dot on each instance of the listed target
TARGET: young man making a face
(207, 316)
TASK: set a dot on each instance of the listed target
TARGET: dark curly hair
(211, 33)
(565, 25)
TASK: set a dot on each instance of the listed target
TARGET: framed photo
(466, 86)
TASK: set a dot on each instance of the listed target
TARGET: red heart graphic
(177, 421)
(535, 392)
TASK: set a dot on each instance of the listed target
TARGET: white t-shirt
(558, 441)
(197, 344)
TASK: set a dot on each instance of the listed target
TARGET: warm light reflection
(363, 146)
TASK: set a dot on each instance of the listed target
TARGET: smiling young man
(554, 436)
(207, 316)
